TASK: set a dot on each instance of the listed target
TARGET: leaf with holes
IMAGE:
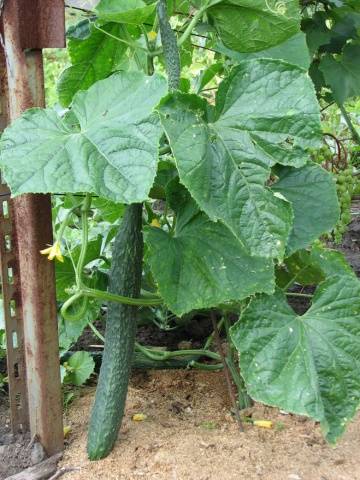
(253, 25)
(113, 153)
(308, 364)
(224, 154)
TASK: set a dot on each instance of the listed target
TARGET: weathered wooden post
(28, 280)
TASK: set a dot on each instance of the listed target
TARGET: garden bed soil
(15, 455)
(189, 434)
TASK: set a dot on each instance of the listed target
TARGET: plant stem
(112, 297)
(204, 366)
(69, 302)
(96, 332)
(226, 370)
(164, 150)
(65, 222)
(192, 24)
(187, 32)
(210, 338)
(294, 294)
(354, 132)
(129, 43)
(167, 355)
(243, 397)
(85, 238)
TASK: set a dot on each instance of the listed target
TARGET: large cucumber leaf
(342, 74)
(224, 155)
(294, 50)
(252, 25)
(92, 58)
(202, 264)
(305, 364)
(312, 193)
(113, 153)
(124, 11)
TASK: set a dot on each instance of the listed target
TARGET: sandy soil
(189, 434)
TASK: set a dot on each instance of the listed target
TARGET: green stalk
(96, 332)
(74, 317)
(227, 373)
(192, 24)
(167, 355)
(204, 366)
(112, 297)
(354, 133)
(294, 294)
(65, 222)
(243, 397)
(128, 42)
(85, 239)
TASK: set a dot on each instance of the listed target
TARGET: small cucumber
(125, 279)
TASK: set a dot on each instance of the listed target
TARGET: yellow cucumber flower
(155, 223)
(54, 251)
(152, 36)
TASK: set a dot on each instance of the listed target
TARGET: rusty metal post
(10, 285)
(32, 220)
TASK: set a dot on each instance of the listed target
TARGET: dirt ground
(189, 434)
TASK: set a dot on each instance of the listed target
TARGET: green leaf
(113, 154)
(70, 330)
(306, 364)
(331, 262)
(92, 58)
(93, 250)
(312, 193)
(65, 278)
(294, 50)
(124, 11)
(82, 365)
(317, 31)
(202, 264)
(310, 267)
(207, 75)
(224, 155)
(109, 211)
(253, 25)
(80, 30)
(343, 75)
(302, 270)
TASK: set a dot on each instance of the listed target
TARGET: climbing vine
(230, 154)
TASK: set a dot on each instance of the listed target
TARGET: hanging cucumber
(125, 279)
(170, 48)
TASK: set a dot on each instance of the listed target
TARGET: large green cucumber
(125, 279)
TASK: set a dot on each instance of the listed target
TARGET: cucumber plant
(244, 203)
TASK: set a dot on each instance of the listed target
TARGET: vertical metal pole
(32, 216)
(11, 294)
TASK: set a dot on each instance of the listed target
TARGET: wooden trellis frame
(28, 280)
